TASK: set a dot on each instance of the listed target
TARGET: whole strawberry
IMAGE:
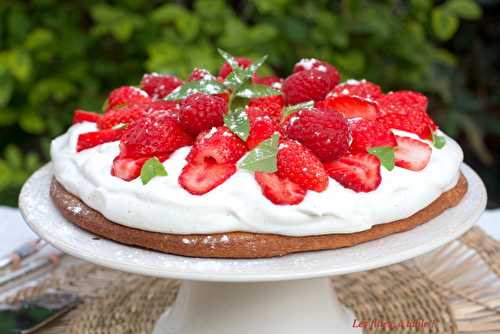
(307, 85)
(159, 86)
(122, 115)
(297, 163)
(363, 88)
(271, 81)
(170, 108)
(152, 135)
(325, 133)
(226, 68)
(315, 64)
(126, 95)
(201, 111)
(367, 134)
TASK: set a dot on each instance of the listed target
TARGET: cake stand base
(292, 307)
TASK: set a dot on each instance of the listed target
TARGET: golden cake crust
(239, 244)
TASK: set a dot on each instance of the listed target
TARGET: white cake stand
(290, 294)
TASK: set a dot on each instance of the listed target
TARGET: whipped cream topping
(238, 204)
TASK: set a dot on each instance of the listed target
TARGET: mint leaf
(190, 88)
(152, 168)
(385, 154)
(296, 107)
(263, 157)
(228, 58)
(253, 91)
(438, 141)
(236, 119)
(236, 79)
(250, 70)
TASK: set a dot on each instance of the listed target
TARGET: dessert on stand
(253, 190)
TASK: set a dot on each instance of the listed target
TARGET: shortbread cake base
(239, 244)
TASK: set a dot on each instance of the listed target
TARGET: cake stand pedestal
(290, 294)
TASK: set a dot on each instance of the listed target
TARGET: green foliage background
(59, 55)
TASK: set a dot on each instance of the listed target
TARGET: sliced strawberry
(218, 145)
(91, 139)
(262, 126)
(280, 191)
(129, 169)
(367, 134)
(200, 178)
(412, 154)
(85, 116)
(359, 171)
(122, 115)
(126, 95)
(301, 166)
(352, 106)
(363, 88)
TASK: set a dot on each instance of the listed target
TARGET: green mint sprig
(438, 141)
(240, 88)
(151, 169)
(385, 154)
(263, 158)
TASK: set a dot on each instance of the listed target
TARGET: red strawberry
(301, 166)
(406, 111)
(280, 191)
(126, 95)
(271, 105)
(364, 89)
(200, 74)
(198, 179)
(122, 115)
(325, 133)
(201, 111)
(218, 145)
(127, 169)
(271, 81)
(412, 154)
(351, 106)
(262, 126)
(322, 66)
(226, 68)
(366, 134)
(91, 139)
(170, 108)
(152, 135)
(307, 85)
(359, 171)
(159, 86)
(85, 116)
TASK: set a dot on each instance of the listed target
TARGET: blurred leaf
(32, 123)
(6, 88)
(19, 64)
(39, 38)
(466, 9)
(8, 117)
(14, 157)
(444, 23)
(116, 21)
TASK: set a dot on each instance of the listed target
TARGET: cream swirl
(238, 204)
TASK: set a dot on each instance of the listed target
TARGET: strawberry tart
(237, 165)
